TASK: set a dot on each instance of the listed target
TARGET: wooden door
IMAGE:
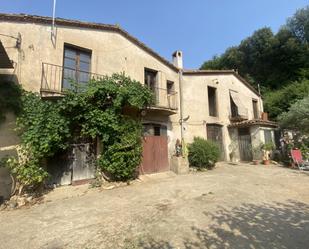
(244, 143)
(214, 133)
(83, 165)
(155, 155)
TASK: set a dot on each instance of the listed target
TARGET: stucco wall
(111, 53)
(195, 96)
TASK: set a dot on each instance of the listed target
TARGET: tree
(297, 118)
(299, 24)
(275, 61)
(279, 101)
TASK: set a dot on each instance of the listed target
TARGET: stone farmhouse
(218, 105)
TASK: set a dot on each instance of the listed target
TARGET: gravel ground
(232, 206)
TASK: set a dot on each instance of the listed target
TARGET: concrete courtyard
(232, 206)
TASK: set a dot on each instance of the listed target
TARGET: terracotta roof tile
(252, 122)
(89, 25)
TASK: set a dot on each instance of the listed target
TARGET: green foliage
(43, 129)
(297, 117)
(96, 111)
(29, 173)
(272, 60)
(277, 102)
(121, 156)
(10, 98)
(203, 153)
(299, 24)
(268, 146)
(265, 58)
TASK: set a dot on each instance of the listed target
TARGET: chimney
(177, 59)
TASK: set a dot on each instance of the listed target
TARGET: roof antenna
(54, 12)
(53, 32)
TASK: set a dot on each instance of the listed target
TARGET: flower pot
(266, 162)
(255, 162)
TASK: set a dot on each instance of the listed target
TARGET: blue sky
(200, 28)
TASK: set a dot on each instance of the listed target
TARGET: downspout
(181, 109)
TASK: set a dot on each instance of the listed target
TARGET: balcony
(55, 79)
(164, 101)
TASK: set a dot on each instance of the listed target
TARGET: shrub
(121, 158)
(47, 127)
(203, 153)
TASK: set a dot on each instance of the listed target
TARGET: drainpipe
(181, 108)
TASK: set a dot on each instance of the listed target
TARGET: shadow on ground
(278, 225)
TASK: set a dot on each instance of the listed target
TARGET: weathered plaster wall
(111, 53)
(195, 97)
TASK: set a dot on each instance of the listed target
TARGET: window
(255, 109)
(151, 78)
(268, 136)
(212, 101)
(76, 65)
(154, 130)
(170, 87)
(234, 108)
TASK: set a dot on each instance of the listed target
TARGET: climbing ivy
(97, 112)
(10, 98)
(94, 111)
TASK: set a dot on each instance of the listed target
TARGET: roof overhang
(23, 18)
(5, 62)
(254, 122)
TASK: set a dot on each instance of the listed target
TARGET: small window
(170, 87)
(76, 65)
(234, 108)
(157, 130)
(268, 136)
(154, 130)
(212, 101)
(151, 78)
(255, 109)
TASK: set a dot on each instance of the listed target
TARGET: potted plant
(233, 147)
(256, 154)
(267, 148)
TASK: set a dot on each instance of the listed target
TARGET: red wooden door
(155, 155)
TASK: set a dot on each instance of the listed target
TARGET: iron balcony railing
(55, 79)
(165, 99)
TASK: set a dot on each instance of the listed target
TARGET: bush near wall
(203, 153)
(94, 111)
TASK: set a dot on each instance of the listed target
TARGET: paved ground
(241, 206)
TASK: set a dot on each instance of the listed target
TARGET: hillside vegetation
(278, 62)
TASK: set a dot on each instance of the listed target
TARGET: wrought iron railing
(165, 99)
(56, 78)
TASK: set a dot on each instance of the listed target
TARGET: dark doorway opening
(214, 133)
(244, 143)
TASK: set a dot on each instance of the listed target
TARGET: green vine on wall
(95, 111)
(10, 98)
